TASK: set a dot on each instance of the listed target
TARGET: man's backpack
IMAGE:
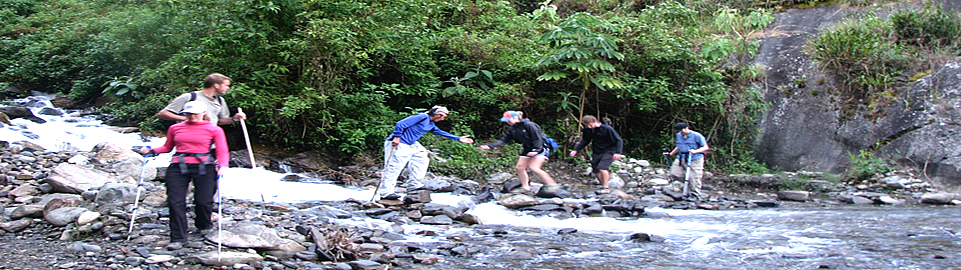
(193, 96)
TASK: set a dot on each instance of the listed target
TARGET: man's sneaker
(392, 196)
(175, 246)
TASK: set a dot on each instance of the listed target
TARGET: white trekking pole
(220, 217)
(250, 152)
(136, 201)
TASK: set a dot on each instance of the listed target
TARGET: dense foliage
(334, 75)
(871, 55)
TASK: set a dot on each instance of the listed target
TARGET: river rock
(132, 167)
(469, 219)
(419, 196)
(87, 217)
(24, 190)
(425, 259)
(939, 198)
(888, 200)
(794, 195)
(225, 258)
(27, 210)
(58, 203)
(499, 178)
(63, 216)
(70, 178)
(155, 259)
(437, 220)
(434, 209)
(436, 184)
(108, 152)
(116, 194)
(645, 237)
(248, 235)
(16, 225)
(365, 265)
(514, 201)
(854, 199)
(615, 181)
(620, 194)
(553, 191)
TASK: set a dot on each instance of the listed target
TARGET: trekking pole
(250, 151)
(136, 201)
(384, 172)
(666, 160)
(220, 217)
(687, 175)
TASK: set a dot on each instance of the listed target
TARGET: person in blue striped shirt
(402, 149)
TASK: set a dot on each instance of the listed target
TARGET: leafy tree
(580, 45)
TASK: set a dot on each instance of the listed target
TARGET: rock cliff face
(805, 128)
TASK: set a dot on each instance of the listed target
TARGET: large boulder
(63, 216)
(224, 259)
(116, 194)
(809, 128)
(70, 178)
(940, 198)
(514, 201)
(248, 235)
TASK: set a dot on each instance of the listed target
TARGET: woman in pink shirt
(192, 162)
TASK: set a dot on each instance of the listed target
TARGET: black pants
(204, 188)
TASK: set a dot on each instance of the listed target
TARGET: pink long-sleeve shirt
(195, 137)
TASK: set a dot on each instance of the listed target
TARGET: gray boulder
(939, 198)
(27, 210)
(248, 235)
(63, 216)
(224, 259)
(116, 194)
(794, 195)
(70, 178)
(16, 225)
(437, 220)
(514, 201)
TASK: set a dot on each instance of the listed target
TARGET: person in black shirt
(535, 150)
(608, 147)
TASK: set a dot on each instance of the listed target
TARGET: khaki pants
(697, 171)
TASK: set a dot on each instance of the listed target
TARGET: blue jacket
(413, 127)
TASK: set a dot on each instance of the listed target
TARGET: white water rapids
(782, 238)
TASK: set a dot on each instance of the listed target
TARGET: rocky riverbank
(71, 210)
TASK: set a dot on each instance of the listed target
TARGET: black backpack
(193, 96)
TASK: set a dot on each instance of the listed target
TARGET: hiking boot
(174, 246)
(392, 196)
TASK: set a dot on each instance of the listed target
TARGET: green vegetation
(865, 164)
(870, 55)
(333, 76)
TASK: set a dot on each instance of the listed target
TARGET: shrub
(865, 164)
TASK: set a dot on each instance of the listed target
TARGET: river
(801, 236)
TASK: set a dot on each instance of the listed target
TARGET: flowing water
(835, 237)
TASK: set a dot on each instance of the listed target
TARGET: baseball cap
(510, 114)
(680, 126)
(194, 107)
(440, 109)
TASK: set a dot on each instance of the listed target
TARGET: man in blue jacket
(402, 149)
(608, 147)
(691, 145)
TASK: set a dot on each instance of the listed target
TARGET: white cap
(441, 109)
(194, 107)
